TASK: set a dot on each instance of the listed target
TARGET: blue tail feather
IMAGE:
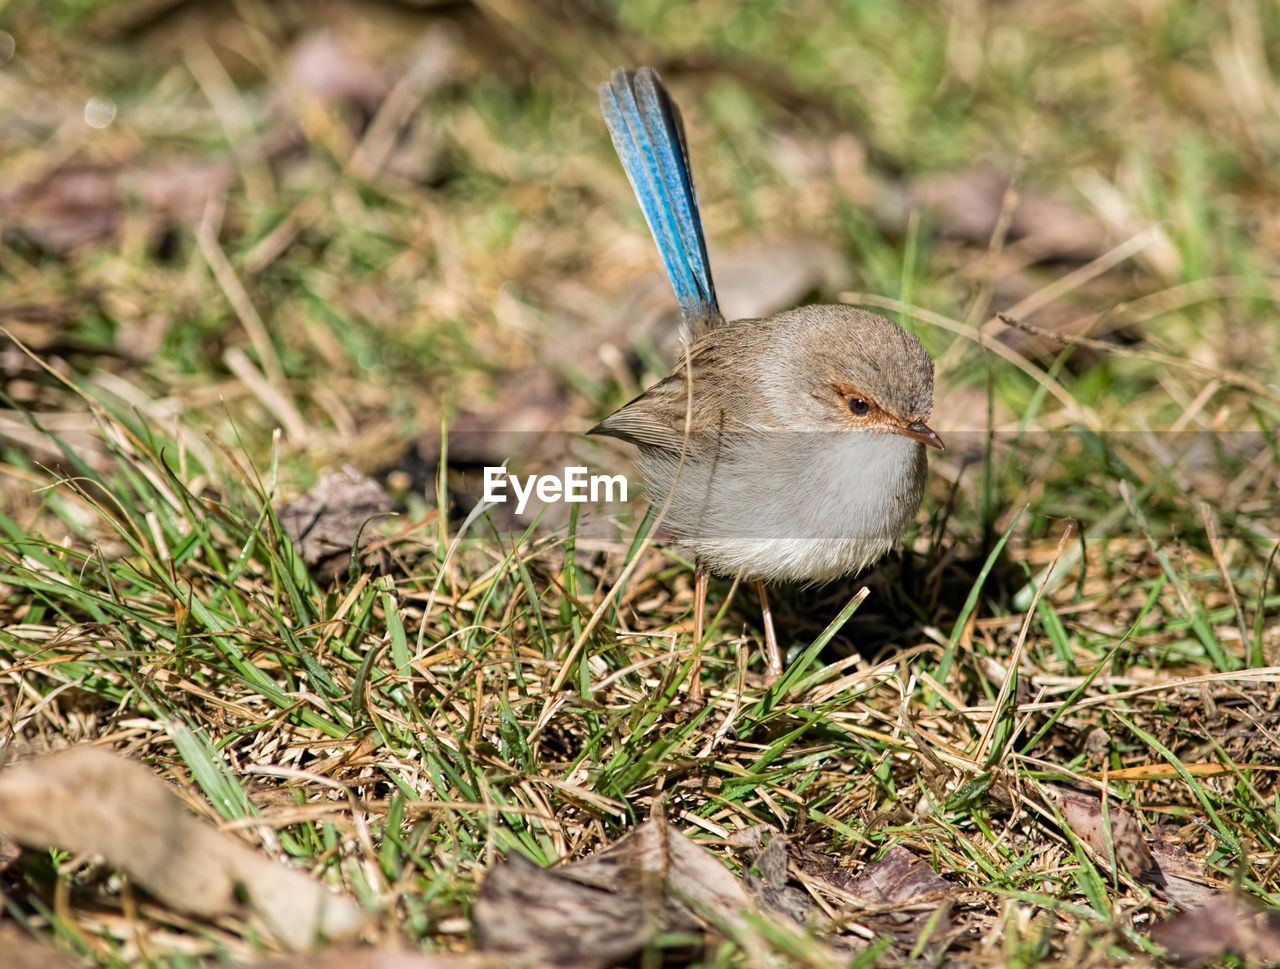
(648, 135)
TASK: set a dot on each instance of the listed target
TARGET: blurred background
(315, 233)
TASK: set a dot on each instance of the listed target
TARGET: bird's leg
(772, 655)
(699, 620)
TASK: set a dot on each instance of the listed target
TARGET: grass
(152, 603)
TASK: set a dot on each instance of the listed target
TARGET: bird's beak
(922, 432)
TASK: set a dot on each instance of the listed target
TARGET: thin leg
(699, 620)
(772, 655)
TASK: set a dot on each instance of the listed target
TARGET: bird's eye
(859, 406)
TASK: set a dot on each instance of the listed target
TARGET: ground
(248, 245)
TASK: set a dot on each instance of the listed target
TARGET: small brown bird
(785, 448)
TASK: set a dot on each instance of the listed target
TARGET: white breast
(790, 506)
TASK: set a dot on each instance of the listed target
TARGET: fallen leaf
(635, 862)
(770, 887)
(898, 896)
(545, 916)
(67, 208)
(178, 189)
(1182, 879)
(769, 275)
(331, 68)
(702, 883)
(755, 279)
(79, 204)
(897, 878)
(1083, 814)
(21, 951)
(1226, 926)
(611, 904)
(89, 801)
(333, 518)
(1096, 743)
(966, 205)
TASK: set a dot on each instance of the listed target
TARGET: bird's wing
(671, 410)
(657, 418)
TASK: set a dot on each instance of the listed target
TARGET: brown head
(836, 367)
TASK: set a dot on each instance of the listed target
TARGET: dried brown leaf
(898, 878)
(900, 895)
(1182, 879)
(701, 882)
(79, 204)
(1225, 926)
(770, 888)
(89, 801)
(967, 205)
(635, 862)
(605, 907)
(774, 274)
(1083, 814)
(21, 951)
(177, 189)
(754, 279)
(543, 915)
(1167, 771)
(334, 517)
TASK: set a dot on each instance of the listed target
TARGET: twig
(1234, 377)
